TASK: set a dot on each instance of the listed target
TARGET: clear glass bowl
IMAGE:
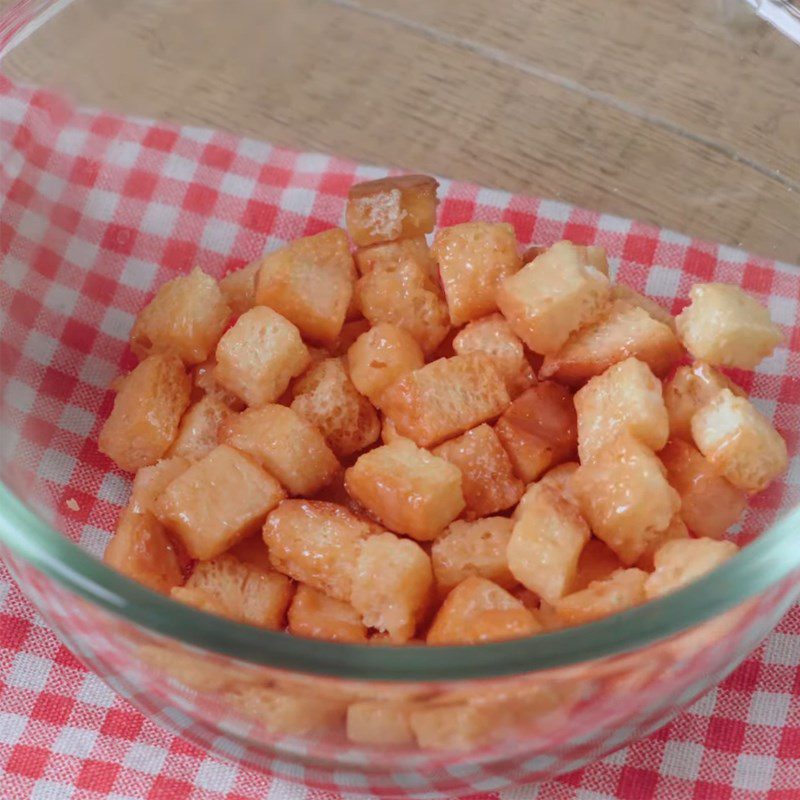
(371, 82)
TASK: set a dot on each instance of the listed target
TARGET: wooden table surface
(685, 113)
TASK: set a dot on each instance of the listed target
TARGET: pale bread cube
(310, 283)
(622, 292)
(204, 385)
(740, 442)
(316, 616)
(217, 502)
(560, 478)
(285, 444)
(454, 726)
(326, 397)
(259, 355)
(679, 562)
(474, 259)
(624, 589)
(675, 530)
(624, 495)
(147, 412)
(445, 398)
(239, 287)
(151, 481)
(379, 723)
(197, 434)
(626, 397)
(389, 432)
(488, 482)
(594, 256)
(554, 295)
(407, 488)
(596, 562)
(388, 256)
(185, 319)
(727, 327)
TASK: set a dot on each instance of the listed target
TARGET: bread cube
(310, 283)
(445, 398)
(740, 442)
(316, 543)
(622, 590)
(679, 562)
(381, 356)
(622, 292)
(146, 414)
(316, 616)
(545, 544)
(626, 397)
(204, 385)
(239, 287)
(547, 617)
(710, 504)
(623, 331)
(624, 495)
(675, 530)
(379, 722)
(493, 335)
(560, 478)
(151, 481)
(217, 502)
(392, 585)
(388, 256)
(400, 207)
(253, 551)
(388, 431)
(488, 482)
(594, 256)
(197, 434)
(350, 332)
(455, 726)
(407, 488)
(539, 429)
(285, 444)
(554, 295)
(474, 259)
(477, 611)
(473, 548)
(185, 319)
(596, 562)
(259, 355)
(727, 327)
(326, 397)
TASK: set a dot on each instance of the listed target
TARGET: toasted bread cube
(239, 287)
(454, 726)
(316, 616)
(725, 326)
(407, 488)
(350, 332)
(204, 385)
(317, 543)
(197, 434)
(253, 551)
(285, 444)
(740, 442)
(488, 482)
(326, 397)
(474, 259)
(379, 722)
(388, 431)
(386, 209)
(622, 292)
(675, 530)
(381, 356)
(553, 296)
(596, 562)
(710, 504)
(445, 398)
(625, 497)
(150, 482)
(546, 543)
(679, 562)
(392, 585)
(388, 256)
(217, 502)
(259, 355)
(146, 414)
(493, 335)
(623, 331)
(626, 397)
(478, 610)
(473, 548)
(595, 256)
(558, 478)
(539, 429)
(310, 282)
(185, 319)
(622, 590)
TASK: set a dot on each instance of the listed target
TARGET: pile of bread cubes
(361, 437)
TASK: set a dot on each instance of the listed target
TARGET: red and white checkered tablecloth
(147, 201)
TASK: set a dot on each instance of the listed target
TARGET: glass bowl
(415, 86)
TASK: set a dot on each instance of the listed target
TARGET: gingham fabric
(138, 202)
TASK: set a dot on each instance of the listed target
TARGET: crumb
(72, 504)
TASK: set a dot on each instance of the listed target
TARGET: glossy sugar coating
(386, 257)
(619, 291)
(239, 287)
(596, 562)
(316, 616)
(623, 589)
(675, 530)
(198, 431)
(151, 481)
(682, 561)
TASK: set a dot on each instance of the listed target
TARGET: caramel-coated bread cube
(679, 562)
(350, 332)
(622, 590)
(239, 287)
(558, 478)
(622, 292)
(205, 385)
(675, 530)
(387, 257)
(151, 481)
(316, 616)
(596, 562)
(197, 434)
(379, 722)
(454, 727)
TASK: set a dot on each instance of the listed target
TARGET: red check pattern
(98, 210)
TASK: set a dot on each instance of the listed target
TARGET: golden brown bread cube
(726, 326)
(386, 209)
(474, 258)
(622, 590)
(560, 478)
(392, 585)
(488, 482)
(150, 481)
(622, 292)
(310, 282)
(259, 355)
(185, 319)
(455, 726)
(204, 385)
(252, 550)
(554, 295)
(388, 256)
(379, 722)
(146, 414)
(316, 616)
(239, 287)
(217, 502)
(624, 495)
(197, 434)
(626, 397)
(285, 444)
(326, 397)
(445, 398)
(739, 441)
(389, 432)
(679, 562)
(675, 530)
(596, 562)
(407, 488)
